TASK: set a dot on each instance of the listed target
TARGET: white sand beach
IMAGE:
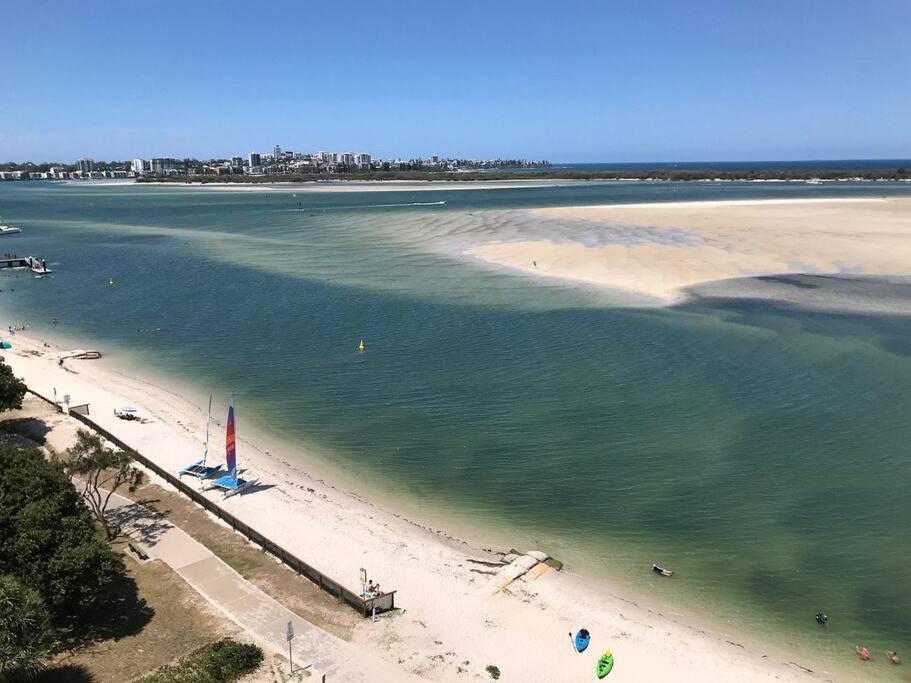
(667, 247)
(458, 615)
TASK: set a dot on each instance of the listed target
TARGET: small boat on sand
(581, 640)
(604, 664)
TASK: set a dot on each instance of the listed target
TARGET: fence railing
(365, 606)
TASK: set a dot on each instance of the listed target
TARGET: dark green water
(763, 453)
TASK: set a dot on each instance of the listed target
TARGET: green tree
(99, 472)
(48, 540)
(25, 630)
(12, 390)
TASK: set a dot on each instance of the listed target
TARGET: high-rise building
(346, 159)
(85, 165)
(362, 160)
(276, 152)
(163, 165)
(255, 159)
(139, 166)
(237, 162)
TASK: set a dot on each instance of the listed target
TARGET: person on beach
(893, 657)
(863, 652)
(661, 571)
(59, 362)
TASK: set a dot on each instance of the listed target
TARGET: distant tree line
(655, 174)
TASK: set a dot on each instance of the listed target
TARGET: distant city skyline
(572, 82)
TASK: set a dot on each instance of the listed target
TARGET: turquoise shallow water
(761, 452)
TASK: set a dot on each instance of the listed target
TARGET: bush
(220, 662)
(25, 631)
(494, 671)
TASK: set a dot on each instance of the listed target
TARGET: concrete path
(264, 618)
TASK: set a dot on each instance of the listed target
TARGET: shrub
(494, 671)
(220, 662)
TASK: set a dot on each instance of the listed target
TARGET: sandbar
(664, 248)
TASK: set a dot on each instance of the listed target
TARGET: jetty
(34, 264)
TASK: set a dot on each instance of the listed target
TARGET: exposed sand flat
(458, 616)
(665, 248)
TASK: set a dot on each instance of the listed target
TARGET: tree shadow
(31, 428)
(65, 673)
(140, 520)
(121, 612)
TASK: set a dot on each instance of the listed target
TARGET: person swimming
(822, 617)
(661, 571)
(863, 652)
(893, 657)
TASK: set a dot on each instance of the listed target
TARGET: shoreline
(391, 541)
(661, 250)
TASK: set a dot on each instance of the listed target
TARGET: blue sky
(566, 81)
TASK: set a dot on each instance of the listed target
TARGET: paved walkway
(264, 618)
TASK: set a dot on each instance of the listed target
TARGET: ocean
(760, 450)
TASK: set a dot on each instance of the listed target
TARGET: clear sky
(567, 81)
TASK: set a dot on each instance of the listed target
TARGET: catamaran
(231, 484)
(199, 469)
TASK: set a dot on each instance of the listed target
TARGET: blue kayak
(582, 639)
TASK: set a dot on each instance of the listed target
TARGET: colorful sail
(230, 446)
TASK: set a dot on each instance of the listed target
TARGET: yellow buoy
(361, 347)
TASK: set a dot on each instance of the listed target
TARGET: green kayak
(605, 664)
